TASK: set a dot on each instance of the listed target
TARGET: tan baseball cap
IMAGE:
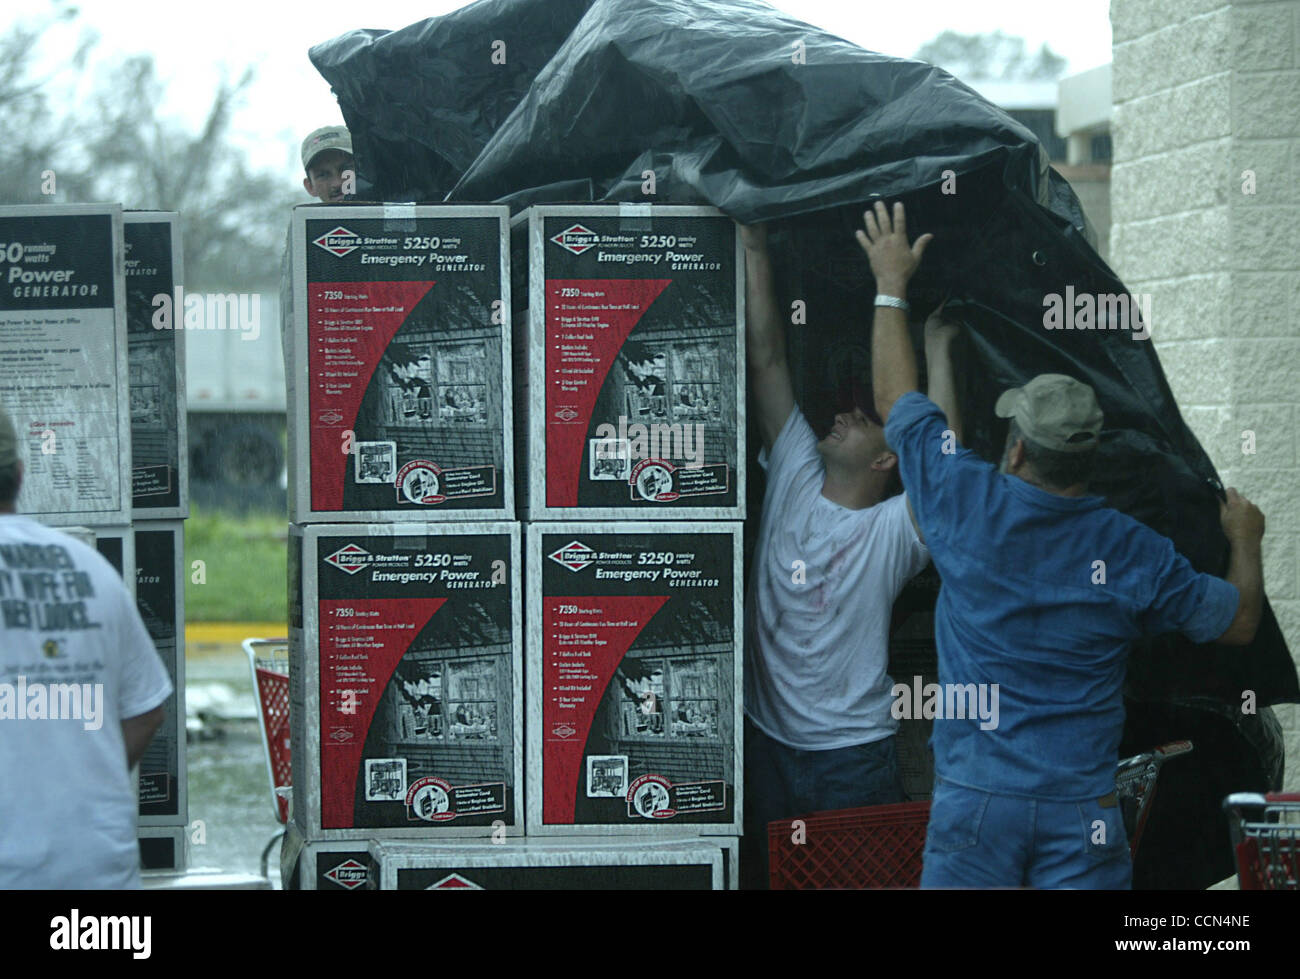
(1057, 412)
(325, 138)
(8, 440)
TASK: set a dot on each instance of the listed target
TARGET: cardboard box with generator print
(63, 360)
(405, 680)
(529, 864)
(155, 333)
(634, 679)
(398, 363)
(631, 372)
(160, 598)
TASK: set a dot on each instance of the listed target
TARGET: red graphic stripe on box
(349, 326)
(584, 639)
(587, 321)
(361, 643)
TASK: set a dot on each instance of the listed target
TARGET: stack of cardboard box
(94, 376)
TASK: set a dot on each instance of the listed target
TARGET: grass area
(244, 567)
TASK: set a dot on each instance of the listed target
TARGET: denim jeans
(783, 782)
(978, 839)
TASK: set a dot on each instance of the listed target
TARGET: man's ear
(306, 185)
(885, 461)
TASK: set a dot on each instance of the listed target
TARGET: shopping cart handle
(1240, 800)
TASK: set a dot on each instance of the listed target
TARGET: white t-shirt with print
(67, 804)
(821, 593)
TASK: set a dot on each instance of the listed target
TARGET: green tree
(233, 218)
(996, 56)
(118, 146)
(35, 137)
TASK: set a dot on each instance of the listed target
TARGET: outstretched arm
(765, 337)
(939, 335)
(893, 262)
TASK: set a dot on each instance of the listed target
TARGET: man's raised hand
(893, 260)
(938, 327)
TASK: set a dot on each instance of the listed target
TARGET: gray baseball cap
(1057, 412)
(325, 138)
(8, 440)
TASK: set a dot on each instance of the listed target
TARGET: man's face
(325, 174)
(854, 440)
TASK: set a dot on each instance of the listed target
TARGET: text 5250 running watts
(428, 243)
(664, 557)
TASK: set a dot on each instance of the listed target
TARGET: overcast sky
(193, 43)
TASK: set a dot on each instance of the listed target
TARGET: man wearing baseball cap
(81, 695)
(1044, 588)
(836, 544)
(327, 158)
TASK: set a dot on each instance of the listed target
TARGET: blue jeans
(783, 782)
(978, 839)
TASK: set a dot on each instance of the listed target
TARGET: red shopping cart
(881, 846)
(268, 659)
(1265, 834)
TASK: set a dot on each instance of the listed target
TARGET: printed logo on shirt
(42, 589)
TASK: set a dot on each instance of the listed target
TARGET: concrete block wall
(1204, 90)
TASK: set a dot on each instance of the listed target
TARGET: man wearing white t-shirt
(81, 694)
(832, 554)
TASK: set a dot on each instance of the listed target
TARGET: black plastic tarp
(734, 104)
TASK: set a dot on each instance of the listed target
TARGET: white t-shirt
(821, 592)
(67, 805)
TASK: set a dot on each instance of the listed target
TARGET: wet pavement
(230, 812)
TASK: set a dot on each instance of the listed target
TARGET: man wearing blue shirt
(1044, 588)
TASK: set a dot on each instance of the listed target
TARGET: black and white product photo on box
(634, 678)
(530, 864)
(323, 865)
(160, 598)
(63, 360)
(163, 848)
(405, 680)
(398, 364)
(155, 333)
(634, 397)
